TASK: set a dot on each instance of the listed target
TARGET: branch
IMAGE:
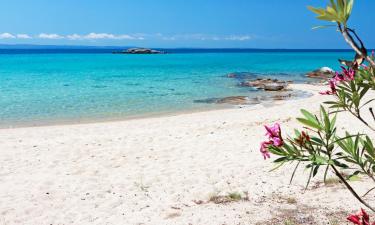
(359, 117)
(349, 39)
(351, 189)
(357, 37)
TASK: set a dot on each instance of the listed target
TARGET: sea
(50, 86)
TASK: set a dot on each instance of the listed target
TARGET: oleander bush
(318, 146)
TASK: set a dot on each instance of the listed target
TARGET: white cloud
(50, 36)
(7, 36)
(23, 36)
(98, 36)
(138, 36)
(238, 38)
(74, 37)
(93, 36)
(207, 37)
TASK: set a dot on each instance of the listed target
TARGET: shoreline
(166, 170)
(296, 87)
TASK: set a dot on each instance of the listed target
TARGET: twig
(349, 39)
(372, 113)
(361, 119)
(368, 192)
(351, 189)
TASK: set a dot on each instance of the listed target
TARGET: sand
(164, 170)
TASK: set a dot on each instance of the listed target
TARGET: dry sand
(164, 171)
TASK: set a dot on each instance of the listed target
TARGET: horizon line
(131, 46)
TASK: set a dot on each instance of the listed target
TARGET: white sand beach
(164, 170)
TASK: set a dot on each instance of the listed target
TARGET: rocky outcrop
(322, 73)
(274, 87)
(232, 100)
(242, 75)
(266, 84)
(263, 97)
(139, 51)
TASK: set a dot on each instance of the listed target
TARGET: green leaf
(278, 165)
(331, 11)
(322, 26)
(309, 123)
(341, 5)
(316, 169)
(333, 4)
(333, 122)
(318, 11)
(349, 8)
(354, 178)
(281, 159)
(309, 115)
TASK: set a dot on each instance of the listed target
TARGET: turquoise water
(43, 88)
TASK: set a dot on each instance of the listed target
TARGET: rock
(326, 70)
(242, 75)
(266, 84)
(322, 73)
(233, 100)
(281, 97)
(274, 86)
(139, 51)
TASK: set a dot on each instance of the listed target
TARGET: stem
(325, 174)
(338, 174)
(360, 118)
(349, 39)
(356, 36)
(372, 113)
(368, 192)
(294, 172)
(363, 121)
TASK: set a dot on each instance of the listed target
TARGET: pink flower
(332, 85)
(274, 139)
(349, 74)
(264, 149)
(361, 218)
(273, 131)
(339, 77)
(274, 134)
(354, 219)
(373, 54)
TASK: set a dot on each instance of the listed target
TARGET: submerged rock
(232, 100)
(266, 84)
(322, 73)
(274, 86)
(242, 75)
(262, 98)
(282, 97)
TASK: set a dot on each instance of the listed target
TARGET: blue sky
(176, 23)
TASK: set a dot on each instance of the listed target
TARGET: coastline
(208, 108)
(164, 170)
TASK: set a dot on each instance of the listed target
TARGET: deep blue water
(37, 86)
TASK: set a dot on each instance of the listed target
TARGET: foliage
(337, 11)
(318, 145)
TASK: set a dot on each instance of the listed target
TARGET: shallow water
(71, 87)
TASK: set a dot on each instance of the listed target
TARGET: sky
(176, 23)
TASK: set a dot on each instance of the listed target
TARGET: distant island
(139, 51)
